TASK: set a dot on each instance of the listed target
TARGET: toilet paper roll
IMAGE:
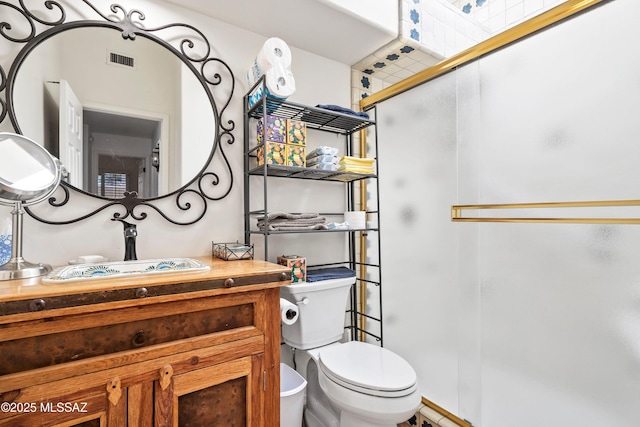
(273, 62)
(274, 53)
(280, 83)
(288, 312)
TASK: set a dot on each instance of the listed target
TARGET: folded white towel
(288, 221)
(293, 227)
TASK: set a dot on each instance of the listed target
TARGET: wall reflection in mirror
(121, 115)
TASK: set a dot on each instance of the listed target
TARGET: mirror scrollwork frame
(188, 44)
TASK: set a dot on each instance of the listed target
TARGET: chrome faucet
(130, 234)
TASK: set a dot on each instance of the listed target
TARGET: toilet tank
(321, 307)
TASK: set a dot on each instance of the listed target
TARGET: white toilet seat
(368, 369)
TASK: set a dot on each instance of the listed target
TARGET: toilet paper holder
(291, 314)
(288, 312)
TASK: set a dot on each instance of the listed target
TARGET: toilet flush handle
(304, 301)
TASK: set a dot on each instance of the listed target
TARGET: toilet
(350, 384)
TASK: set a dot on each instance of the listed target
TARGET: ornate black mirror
(134, 113)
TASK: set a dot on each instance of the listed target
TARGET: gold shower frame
(457, 212)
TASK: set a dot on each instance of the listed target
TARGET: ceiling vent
(120, 60)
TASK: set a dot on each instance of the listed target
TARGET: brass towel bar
(457, 216)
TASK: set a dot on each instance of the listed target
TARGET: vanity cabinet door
(228, 394)
(75, 403)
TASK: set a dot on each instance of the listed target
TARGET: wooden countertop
(215, 278)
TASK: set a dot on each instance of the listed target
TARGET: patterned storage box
(295, 155)
(275, 131)
(276, 153)
(296, 132)
(298, 267)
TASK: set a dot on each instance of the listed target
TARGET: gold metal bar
(363, 243)
(496, 42)
(439, 409)
(457, 212)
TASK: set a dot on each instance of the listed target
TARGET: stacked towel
(329, 273)
(282, 221)
(323, 158)
(344, 110)
(356, 165)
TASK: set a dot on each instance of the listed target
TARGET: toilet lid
(367, 368)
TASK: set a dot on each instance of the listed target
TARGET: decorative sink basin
(107, 270)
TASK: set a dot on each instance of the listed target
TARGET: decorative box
(232, 251)
(276, 153)
(295, 155)
(275, 131)
(298, 267)
(5, 248)
(296, 132)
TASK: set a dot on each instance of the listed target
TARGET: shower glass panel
(519, 324)
(557, 300)
(417, 176)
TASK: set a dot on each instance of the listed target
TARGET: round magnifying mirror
(28, 175)
(27, 171)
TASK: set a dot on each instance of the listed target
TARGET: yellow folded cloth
(355, 169)
(356, 164)
(356, 161)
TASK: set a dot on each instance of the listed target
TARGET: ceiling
(312, 25)
(115, 124)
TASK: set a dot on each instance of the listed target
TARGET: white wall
(519, 324)
(318, 80)
(380, 13)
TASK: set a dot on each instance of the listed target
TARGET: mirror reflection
(121, 115)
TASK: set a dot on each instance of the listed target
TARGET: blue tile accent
(480, 2)
(426, 424)
(413, 421)
(415, 34)
(368, 71)
(406, 49)
(393, 57)
(365, 82)
(415, 16)
(379, 65)
(364, 95)
(416, 1)
(467, 8)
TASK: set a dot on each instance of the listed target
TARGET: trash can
(292, 387)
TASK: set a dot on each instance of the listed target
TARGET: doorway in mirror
(122, 154)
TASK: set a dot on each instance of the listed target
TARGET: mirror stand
(18, 267)
(28, 175)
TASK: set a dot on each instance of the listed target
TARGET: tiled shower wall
(432, 30)
(497, 15)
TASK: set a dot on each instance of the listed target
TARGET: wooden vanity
(188, 349)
